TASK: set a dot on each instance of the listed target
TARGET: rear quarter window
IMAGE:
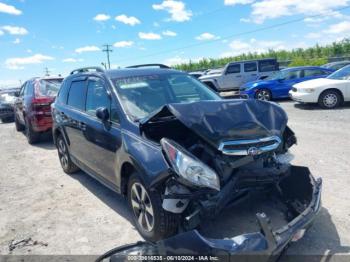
(63, 93)
(77, 94)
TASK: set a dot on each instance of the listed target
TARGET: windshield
(341, 74)
(141, 95)
(49, 87)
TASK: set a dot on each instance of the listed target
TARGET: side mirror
(102, 113)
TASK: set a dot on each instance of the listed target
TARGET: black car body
(179, 152)
(7, 101)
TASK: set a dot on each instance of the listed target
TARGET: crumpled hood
(221, 120)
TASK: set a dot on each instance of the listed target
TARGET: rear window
(48, 87)
(268, 65)
(76, 96)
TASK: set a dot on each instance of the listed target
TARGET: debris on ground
(25, 242)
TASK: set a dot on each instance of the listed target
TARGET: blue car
(278, 85)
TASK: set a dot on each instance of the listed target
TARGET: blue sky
(66, 34)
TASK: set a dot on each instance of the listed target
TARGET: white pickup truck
(238, 73)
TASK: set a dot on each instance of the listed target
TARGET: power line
(236, 35)
(107, 49)
(47, 71)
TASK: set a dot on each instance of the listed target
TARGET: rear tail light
(41, 105)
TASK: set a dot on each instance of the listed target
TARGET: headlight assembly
(189, 167)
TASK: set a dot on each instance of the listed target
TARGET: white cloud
(340, 28)
(128, 20)
(19, 62)
(29, 51)
(14, 30)
(17, 41)
(102, 17)
(169, 33)
(238, 47)
(72, 60)
(206, 36)
(122, 44)
(90, 48)
(238, 2)
(149, 36)
(9, 9)
(313, 35)
(270, 9)
(1, 32)
(176, 9)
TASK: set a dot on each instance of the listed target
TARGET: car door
(250, 71)
(102, 138)
(284, 85)
(232, 77)
(73, 117)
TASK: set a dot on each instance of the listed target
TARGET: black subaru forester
(179, 152)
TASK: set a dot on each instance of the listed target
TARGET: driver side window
(96, 97)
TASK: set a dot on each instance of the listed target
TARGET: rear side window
(232, 69)
(268, 65)
(313, 72)
(63, 93)
(29, 90)
(76, 96)
(96, 97)
(250, 67)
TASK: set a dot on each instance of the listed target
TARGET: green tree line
(316, 55)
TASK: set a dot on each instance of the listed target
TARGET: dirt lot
(64, 214)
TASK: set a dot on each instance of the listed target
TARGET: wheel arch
(127, 169)
(333, 89)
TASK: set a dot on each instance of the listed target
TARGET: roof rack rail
(149, 65)
(87, 69)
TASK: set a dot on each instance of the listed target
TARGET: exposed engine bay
(221, 152)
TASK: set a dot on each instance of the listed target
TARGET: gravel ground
(54, 213)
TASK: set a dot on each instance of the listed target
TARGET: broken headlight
(189, 167)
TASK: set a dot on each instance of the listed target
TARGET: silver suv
(236, 74)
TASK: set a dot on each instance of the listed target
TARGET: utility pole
(107, 49)
(47, 72)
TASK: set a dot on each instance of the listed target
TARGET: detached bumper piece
(299, 187)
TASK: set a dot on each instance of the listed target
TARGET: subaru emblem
(253, 151)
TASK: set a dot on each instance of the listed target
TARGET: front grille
(249, 147)
(6, 110)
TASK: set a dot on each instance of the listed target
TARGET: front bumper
(266, 242)
(303, 97)
(6, 112)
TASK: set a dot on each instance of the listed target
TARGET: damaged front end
(221, 152)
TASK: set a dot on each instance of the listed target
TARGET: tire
(162, 225)
(32, 136)
(6, 119)
(330, 99)
(263, 94)
(63, 154)
(18, 125)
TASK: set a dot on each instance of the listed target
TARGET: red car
(32, 107)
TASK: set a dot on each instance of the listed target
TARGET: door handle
(82, 126)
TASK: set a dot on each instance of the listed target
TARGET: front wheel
(263, 94)
(330, 99)
(151, 220)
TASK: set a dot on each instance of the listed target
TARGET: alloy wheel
(63, 154)
(142, 207)
(264, 95)
(330, 100)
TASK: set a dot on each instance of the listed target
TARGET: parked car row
(176, 150)
(270, 83)
(7, 102)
